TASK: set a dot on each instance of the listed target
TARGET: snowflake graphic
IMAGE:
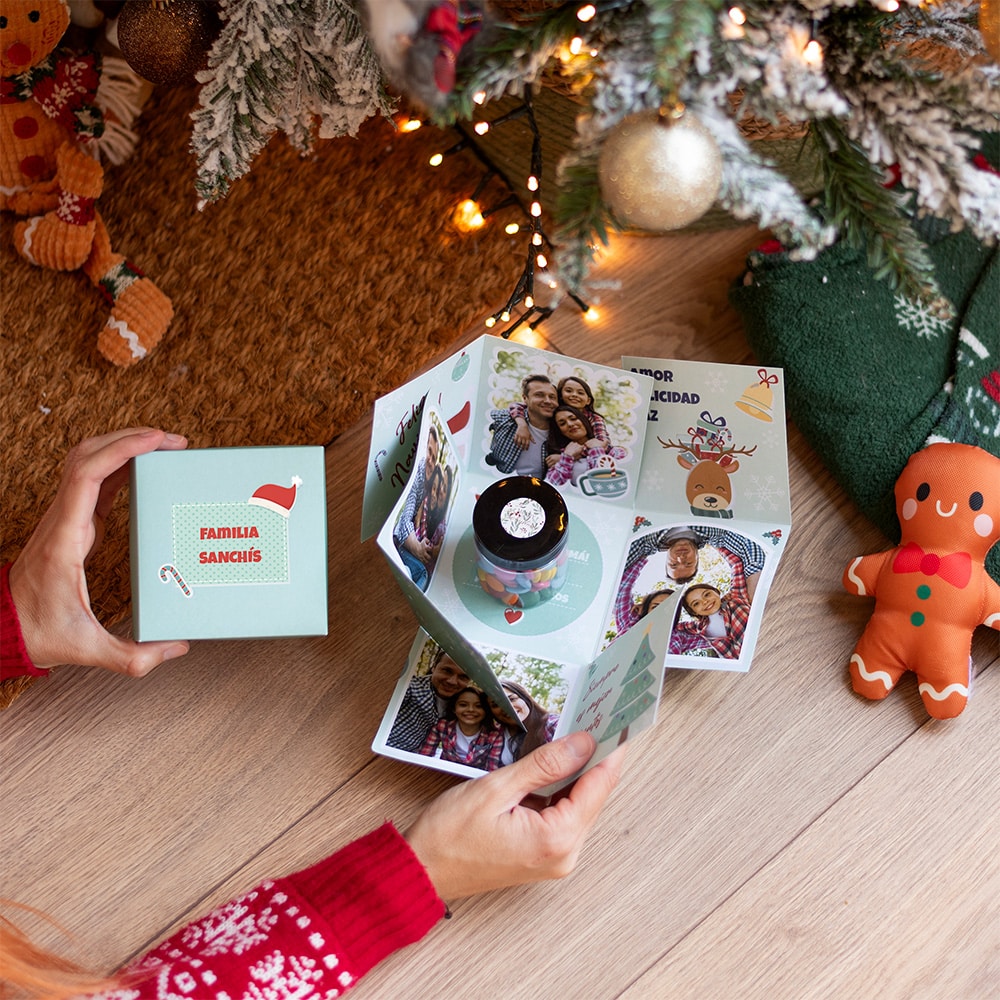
(771, 437)
(764, 493)
(717, 381)
(917, 317)
(655, 480)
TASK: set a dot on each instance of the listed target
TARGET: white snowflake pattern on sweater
(234, 928)
(252, 948)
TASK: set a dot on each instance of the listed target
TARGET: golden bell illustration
(758, 399)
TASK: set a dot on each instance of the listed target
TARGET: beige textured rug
(315, 286)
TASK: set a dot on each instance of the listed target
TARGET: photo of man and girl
(560, 427)
(419, 530)
(717, 573)
(445, 715)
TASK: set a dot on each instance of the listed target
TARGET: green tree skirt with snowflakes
(870, 376)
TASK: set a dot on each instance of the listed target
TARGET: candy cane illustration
(167, 571)
(377, 469)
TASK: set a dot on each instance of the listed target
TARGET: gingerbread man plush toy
(933, 589)
(48, 116)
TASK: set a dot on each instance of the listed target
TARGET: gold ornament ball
(989, 26)
(167, 44)
(659, 174)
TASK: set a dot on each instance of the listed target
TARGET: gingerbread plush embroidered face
(29, 31)
(931, 591)
(949, 496)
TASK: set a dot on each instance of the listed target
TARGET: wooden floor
(774, 836)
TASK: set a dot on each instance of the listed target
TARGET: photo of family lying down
(444, 714)
(715, 570)
(560, 428)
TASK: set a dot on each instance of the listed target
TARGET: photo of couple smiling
(560, 427)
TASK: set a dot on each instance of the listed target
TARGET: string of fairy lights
(470, 214)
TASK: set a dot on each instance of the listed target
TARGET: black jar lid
(520, 522)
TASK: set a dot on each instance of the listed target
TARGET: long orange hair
(30, 972)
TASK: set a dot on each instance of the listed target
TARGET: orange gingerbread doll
(47, 117)
(932, 590)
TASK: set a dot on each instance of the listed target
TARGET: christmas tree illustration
(635, 697)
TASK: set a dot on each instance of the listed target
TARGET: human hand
(522, 436)
(481, 835)
(48, 581)
(417, 547)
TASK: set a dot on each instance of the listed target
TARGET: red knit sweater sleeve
(14, 659)
(314, 933)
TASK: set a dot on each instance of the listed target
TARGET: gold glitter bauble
(167, 44)
(989, 26)
(659, 174)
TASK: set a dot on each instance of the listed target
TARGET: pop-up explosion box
(582, 523)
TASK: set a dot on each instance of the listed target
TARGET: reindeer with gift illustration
(708, 453)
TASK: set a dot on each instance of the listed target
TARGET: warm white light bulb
(532, 183)
(737, 16)
(541, 261)
(812, 54)
(491, 321)
(481, 128)
(529, 302)
(504, 316)
(536, 209)
(436, 160)
(536, 239)
(410, 125)
(586, 13)
(591, 314)
(479, 97)
(467, 216)
(511, 228)
(576, 46)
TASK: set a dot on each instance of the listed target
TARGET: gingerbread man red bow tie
(955, 568)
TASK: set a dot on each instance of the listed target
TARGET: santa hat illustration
(280, 499)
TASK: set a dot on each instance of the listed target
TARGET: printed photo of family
(563, 428)
(443, 714)
(717, 572)
(419, 531)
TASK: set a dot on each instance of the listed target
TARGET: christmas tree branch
(872, 217)
(753, 189)
(305, 68)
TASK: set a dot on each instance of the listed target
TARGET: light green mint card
(229, 543)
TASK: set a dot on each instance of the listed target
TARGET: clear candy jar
(521, 527)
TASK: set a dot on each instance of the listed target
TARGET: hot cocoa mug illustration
(603, 483)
